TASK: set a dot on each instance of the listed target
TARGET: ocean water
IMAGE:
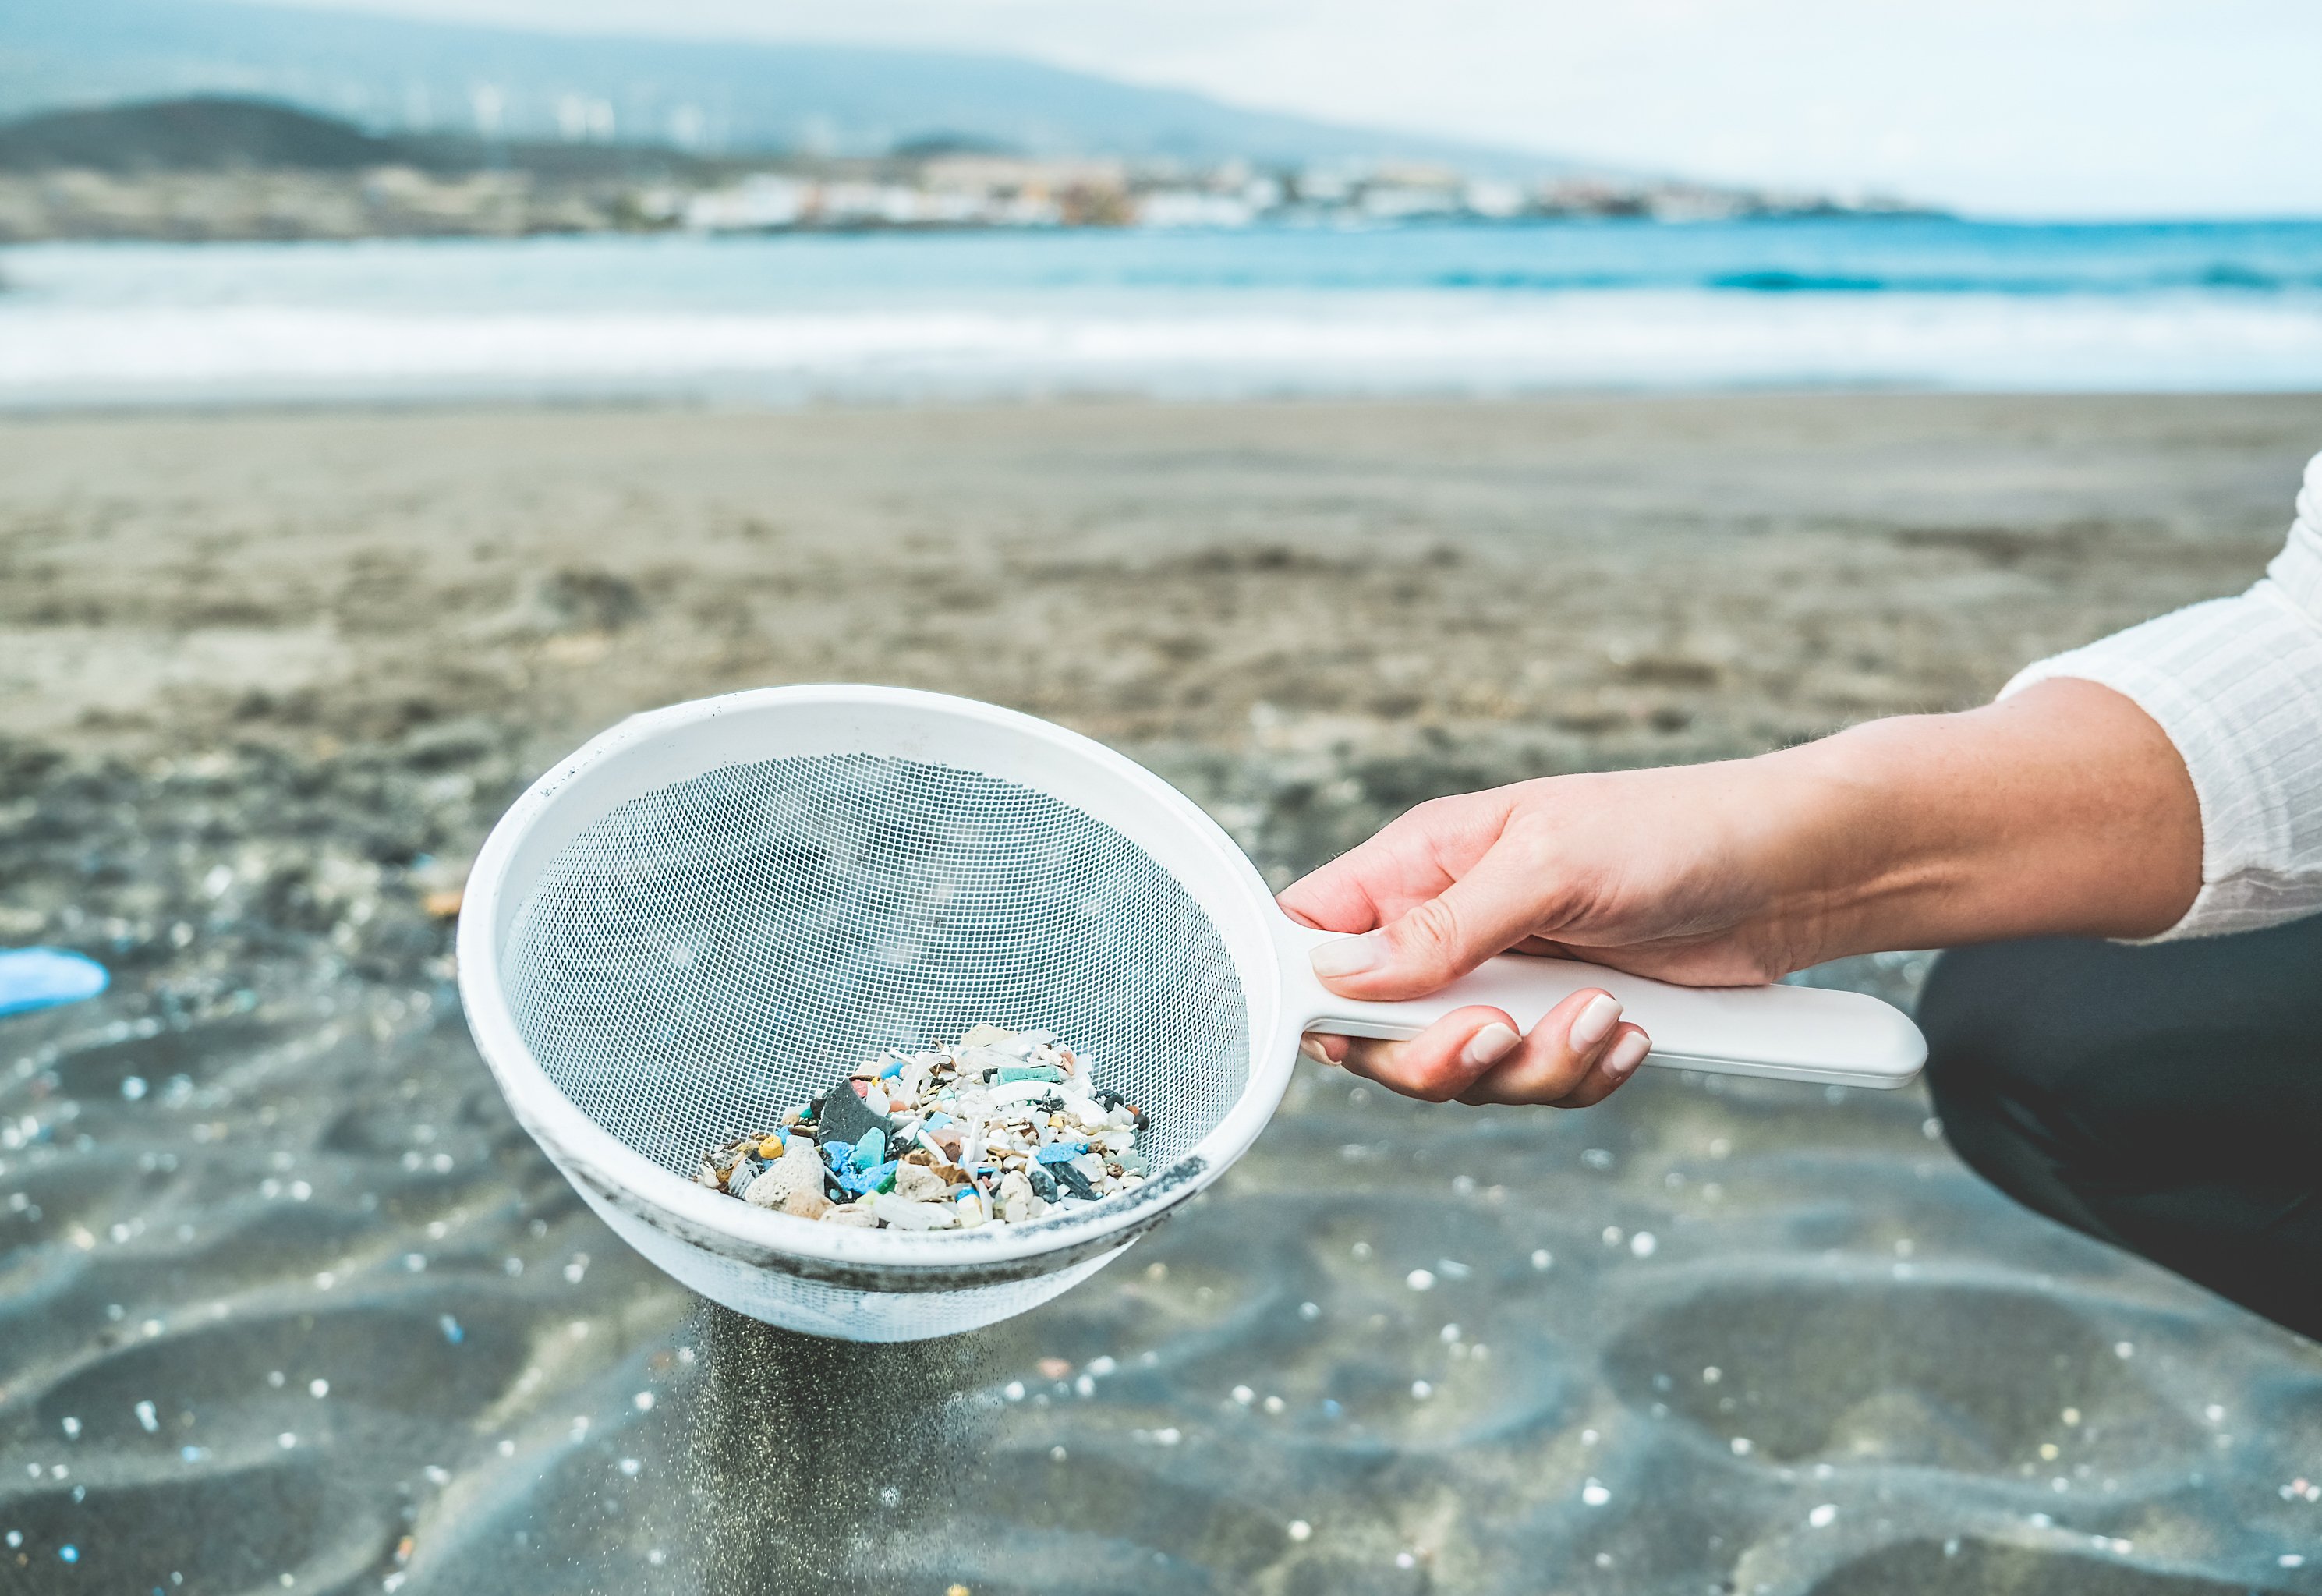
(1917, 303)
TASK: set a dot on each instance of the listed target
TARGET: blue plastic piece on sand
(42, 978)
(1060, 1151)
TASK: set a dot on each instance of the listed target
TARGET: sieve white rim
(585, 1152)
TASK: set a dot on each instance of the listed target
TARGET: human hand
(2062, 810)
(1637, 870)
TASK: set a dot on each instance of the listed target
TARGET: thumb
(1491, 908)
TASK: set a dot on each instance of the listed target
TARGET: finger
(1440, 1063)
(1324, 1048)
(1556, 1057)
(1345, 895)
(1408, 860)
(1489, 909)
(1614, 1067)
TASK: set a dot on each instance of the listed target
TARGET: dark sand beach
(288, 1302)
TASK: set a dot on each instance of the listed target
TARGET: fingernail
(1627, 1053)
(1349, 956)
(1489, 1045)
(1312, 1046)
(1595, 1023)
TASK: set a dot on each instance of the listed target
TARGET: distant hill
(393, 77)
(224, 133)
(202, 134)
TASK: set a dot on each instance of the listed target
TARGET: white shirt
(2237, 684)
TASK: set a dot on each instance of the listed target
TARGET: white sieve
(713, 911)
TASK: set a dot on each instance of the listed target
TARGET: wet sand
(265, 681)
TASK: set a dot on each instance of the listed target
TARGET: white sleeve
(2236, 683)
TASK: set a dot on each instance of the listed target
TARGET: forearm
(2063, 810)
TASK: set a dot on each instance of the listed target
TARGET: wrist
(2064, 810)
(1875, 843)
(1830, 834)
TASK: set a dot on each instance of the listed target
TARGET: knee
(1970, 1051)
(1988, 1068)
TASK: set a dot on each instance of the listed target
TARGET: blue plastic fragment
(893, 1068)
(1014, 1073)
(450, 1328)
(44, 978)
(858, 1181)
(1060, 1151)
(935, 1122)
(871, 1149)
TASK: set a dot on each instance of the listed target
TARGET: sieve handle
(1781, 1033)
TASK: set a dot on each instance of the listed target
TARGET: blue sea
(1919, 302)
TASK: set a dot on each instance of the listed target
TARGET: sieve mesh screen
(711, 953)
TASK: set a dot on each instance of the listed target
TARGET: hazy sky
(2054, 106)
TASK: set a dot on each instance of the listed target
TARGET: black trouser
(2167, 1099)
